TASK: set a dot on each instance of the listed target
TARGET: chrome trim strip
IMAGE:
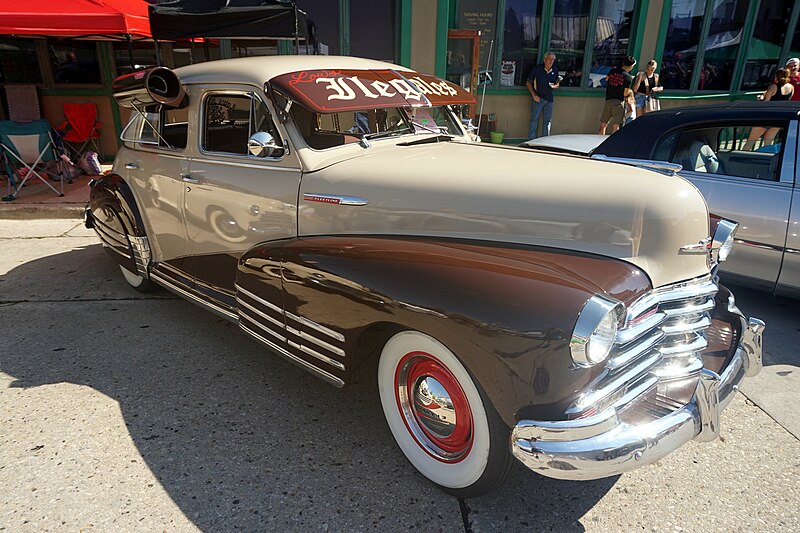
(315, 340)
(698, 344)
(314, 325)
(760, 245)
(335, 199)
(689, 309)
(261, 314)
(648, 383)
(330, 378)
(316, 354)
(661, 167)
(701, 247)
(260, 326)
(677, 368)
(108, 233)
(174, 270)
(622, 359)
(258, 299)
(629, 334)
(692, 289)
(155, 276)
(691, 327)
(243, 165)
(615, 384)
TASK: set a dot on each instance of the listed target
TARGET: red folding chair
(81, 129)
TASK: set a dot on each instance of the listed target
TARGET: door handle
(189, 179)
(131, 166)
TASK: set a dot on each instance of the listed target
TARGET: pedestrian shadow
(239, 438)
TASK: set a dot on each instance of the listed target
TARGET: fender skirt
(506, 311)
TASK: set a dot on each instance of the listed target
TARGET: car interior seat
(700, 157)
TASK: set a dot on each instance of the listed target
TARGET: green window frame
(548, 7)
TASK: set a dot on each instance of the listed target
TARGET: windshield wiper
(424, 127)
(427, 140)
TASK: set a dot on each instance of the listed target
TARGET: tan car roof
(257, 70)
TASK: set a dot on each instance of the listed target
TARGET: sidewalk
(36, 200)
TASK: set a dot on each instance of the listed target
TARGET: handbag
(652, 104)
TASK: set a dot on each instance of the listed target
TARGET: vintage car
(564, 312)
(742, 158)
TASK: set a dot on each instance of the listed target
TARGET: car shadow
(239, 438)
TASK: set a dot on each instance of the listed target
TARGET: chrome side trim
(141, 254)
(314, 325)
(316, 354)
(330, 378)
(319, 342)
(624, 358)
(661, 167)
(258, 299)
(155, 276)
(243, 165)
(259, 313)
(260, 326)
(335, 199)
(761, 245)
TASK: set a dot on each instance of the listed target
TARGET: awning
(74, 18)
(331, 91)
(265, 19)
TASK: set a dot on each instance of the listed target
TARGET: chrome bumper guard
(602, 445)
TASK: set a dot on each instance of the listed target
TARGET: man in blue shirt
(541, 82)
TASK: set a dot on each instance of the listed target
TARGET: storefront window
(144, 56)
(722, 45)
(323, 17)
(611, 37)
(568, 38)
(523, 24)
(794, 48)
(197, 52)
(74, 62)
(372, 29)
(763, 54)
(18, 61)
(680, 48)
(257, 47)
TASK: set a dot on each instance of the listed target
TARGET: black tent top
(265, 19)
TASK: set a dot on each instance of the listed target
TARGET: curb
(41, 211)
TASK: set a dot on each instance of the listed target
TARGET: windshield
(329, 130)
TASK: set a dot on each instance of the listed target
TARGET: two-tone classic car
(742, 157)
(560, 311)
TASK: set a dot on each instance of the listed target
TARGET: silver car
(742, 157)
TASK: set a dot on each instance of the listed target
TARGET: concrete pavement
(128, 412)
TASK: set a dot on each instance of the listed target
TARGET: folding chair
(23, 102)
(81, 129)
(26, 149)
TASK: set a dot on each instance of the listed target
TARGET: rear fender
(116, 219)
(507, 312)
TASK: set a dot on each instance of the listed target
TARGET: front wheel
(440, 419)
(140, 283)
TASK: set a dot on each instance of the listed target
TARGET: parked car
(742, 157)
(561, 311)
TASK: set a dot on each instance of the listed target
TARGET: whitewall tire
(136, 281)
(439, 418)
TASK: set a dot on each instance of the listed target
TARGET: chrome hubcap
(434, 408)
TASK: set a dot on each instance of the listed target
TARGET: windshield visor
(330, 91)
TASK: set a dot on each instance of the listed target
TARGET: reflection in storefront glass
(521, 40)
(611, 38)
(74, 61)
(372, 29)
(568, 39)
(764, 51)
(722, 45)
(323, 15)
(680, 48)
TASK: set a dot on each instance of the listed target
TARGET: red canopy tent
(74, 18)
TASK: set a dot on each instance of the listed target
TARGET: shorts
(641, 100)
(613, 112)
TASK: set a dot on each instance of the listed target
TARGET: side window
(262, 121)
(665, 147)
(226, 124)
(696, 151)
(162, 127)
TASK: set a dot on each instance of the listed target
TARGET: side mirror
(262, 144)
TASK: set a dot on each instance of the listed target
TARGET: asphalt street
(128, 412)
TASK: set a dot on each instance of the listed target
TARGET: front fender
(506, 311)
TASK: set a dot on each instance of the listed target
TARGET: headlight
(595, 330)
(723, 240)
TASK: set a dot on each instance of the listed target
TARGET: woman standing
(645, 84)
(780, 89)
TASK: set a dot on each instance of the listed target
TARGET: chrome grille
(661, 341)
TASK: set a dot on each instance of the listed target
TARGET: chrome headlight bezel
(597, 322)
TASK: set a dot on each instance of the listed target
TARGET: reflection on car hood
(494, 193)
(572, 143)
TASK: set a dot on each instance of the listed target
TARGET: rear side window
(745, 151)
(167, 128)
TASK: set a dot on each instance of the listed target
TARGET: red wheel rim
(434, 407)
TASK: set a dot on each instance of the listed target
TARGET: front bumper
(603, 445)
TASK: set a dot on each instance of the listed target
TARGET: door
(745, 172)
(234, 200)
(154, 160)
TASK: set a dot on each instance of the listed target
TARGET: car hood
(510, 195)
